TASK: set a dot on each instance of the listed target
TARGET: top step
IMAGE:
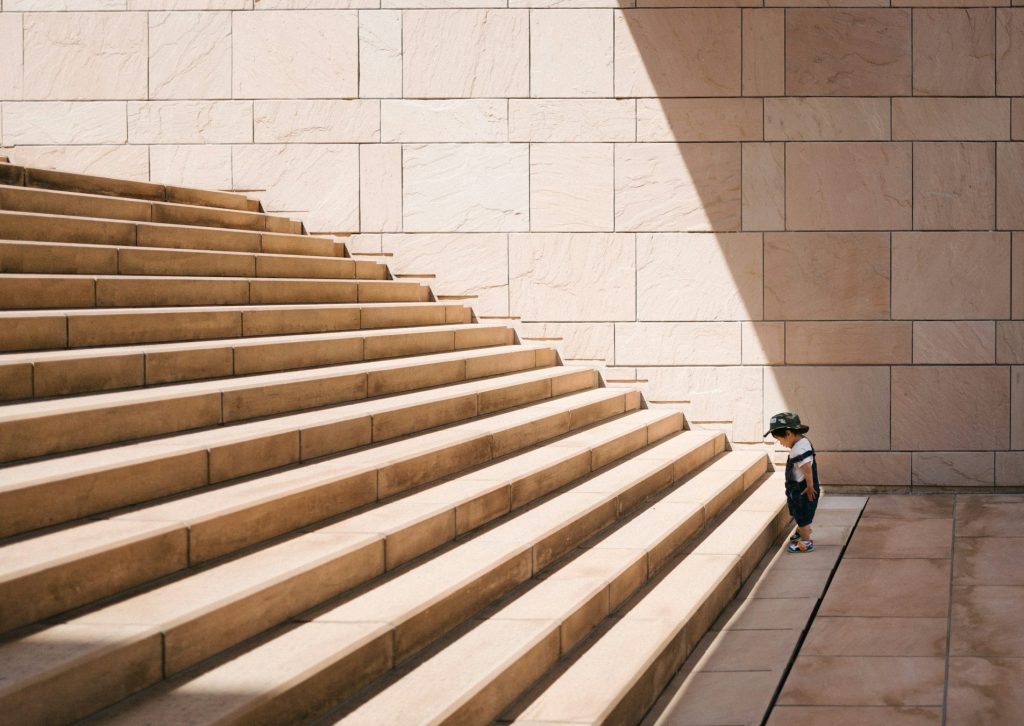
(65, 181)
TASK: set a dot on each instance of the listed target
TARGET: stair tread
(396, 602)
(593, 685)
(171, 309)
(154, 348)
(449, 680)
(97, 401)
(74, 472)
(184, 252)
(22, 199)
(151, 189)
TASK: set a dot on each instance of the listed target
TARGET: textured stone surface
(723, 397)
(90, 56)
(190, 4)
(826, 119)
(572, 120)
(954, 186)
(189, 122)
(854, 343)
(316, 121)
(1017, 407)
(1009, 341)
(465, 53)
(465, 264)
(123, 162)
(764, 50)
(677, 52)
(1017, 276)
(699, 277)
(1017, 119)
(954, 468)
(571, 53)
(864, 469)
(1010, 468)
(572, 187)
(380, 188)
(954, 52)
(1010, 185)
(950, 275)
(465, 188)
(954, 342)
(380, 54)
(848, 186)
(205, 167)
(575, 341)
(950, 119)
(861, 292)
(764, 186)
(684, 344)
(670, 188)
(572, 277)
(848, 52)
(846, 407)
(190, 55)
(699, 119)
(865, 681)
(462, 120)
(764, 343)
(1009, 52)
(82, 122)
(288, 54)
(11, 55)
(985, 690)
(923, 396)
(318, 182)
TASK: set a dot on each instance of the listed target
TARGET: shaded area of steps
(247, 478)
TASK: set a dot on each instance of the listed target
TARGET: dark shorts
(800, 507)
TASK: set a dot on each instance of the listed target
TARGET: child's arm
(809, 481)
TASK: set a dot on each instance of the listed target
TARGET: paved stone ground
(922, 623)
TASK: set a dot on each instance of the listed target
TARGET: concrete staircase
(245, 477)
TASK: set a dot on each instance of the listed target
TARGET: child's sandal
(794, 537)
(801, 545)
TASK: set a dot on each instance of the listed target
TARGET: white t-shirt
(803, 446)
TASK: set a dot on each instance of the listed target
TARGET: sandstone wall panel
(123, 162)
(572, 187)
(11, 57)
(954, 53)
(1009, 52)
(1010, 185)
(950, 119)
(380, 54)
(950, 276)
(324, 121)
(604, 120)
(688, 344)
(726, 398)
(189, 122)
(848, 343)
(926, 400)
(203, 166)
(764, 343)
(826, 119)
(190, 55)
(864, 469)
(764, 186)
(571, 53)
(764, 52)
(380, 188)
(65, 122)
(699, 119)
(953, 468)
(463, 120)
(572, 277)
(964, 342)
(954, 186)
(575, 341)
(826, 276)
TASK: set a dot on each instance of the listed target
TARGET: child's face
(786, 438)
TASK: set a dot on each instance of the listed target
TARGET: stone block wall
(742, 205)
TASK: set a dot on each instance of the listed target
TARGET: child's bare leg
(804, 532)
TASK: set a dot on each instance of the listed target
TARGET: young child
(802, 486)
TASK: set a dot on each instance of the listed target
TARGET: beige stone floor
(922, 623)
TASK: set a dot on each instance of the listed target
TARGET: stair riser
(40, 595)
(54, 259)
(83, 230)
(89, 375)
(68, 431)
(55, 331)
(72, 204)
(85, 184)
(413, 634)
(35, 293)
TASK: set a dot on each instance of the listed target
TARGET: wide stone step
(40, 428)
(62, 372)
(34, 292)
(83, 183)
(333, 653)
(396, 531)
(73, 204)
(48, 330)
(473, 679)
(35, 227)
(619, 677)
(25, 257)
(40, 493)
